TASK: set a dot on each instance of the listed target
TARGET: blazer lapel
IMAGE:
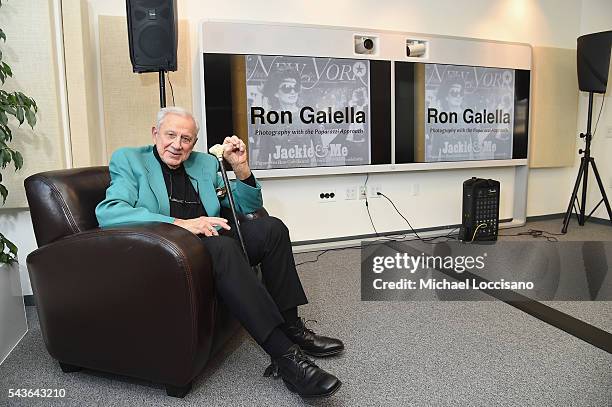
(157, 184)
(203, 183)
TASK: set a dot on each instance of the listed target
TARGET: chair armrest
(139, 297)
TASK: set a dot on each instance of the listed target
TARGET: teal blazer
(137, 192)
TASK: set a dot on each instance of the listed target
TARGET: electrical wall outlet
(362, 192)
(609, 132)
(416, 189)
(351, 193)
(328, 195)
(373, 191)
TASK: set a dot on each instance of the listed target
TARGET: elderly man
(168, 182)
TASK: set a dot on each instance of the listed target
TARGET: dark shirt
(185, 201)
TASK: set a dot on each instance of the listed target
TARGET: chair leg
(178, 391)
(66, 368)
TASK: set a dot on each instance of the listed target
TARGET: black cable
(537, 233)
(428, 240)
(383, 239)
(376, 241)
(603, 100)
(400, 214)
(171, 88)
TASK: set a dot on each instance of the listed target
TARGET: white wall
(540, 23)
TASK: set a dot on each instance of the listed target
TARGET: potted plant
(15, 108)
(22, 108)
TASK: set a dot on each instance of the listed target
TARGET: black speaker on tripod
(593, 63)
(153, 38)
(152, 33)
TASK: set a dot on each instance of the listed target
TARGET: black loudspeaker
(152, 33)
(593, 60)
(480, 219)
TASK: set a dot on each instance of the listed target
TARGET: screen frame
(228, 37)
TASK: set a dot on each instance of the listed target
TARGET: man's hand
(234, 151)
(203, 225)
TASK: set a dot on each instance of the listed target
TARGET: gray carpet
(398, 353)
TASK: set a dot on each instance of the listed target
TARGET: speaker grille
(154, 42)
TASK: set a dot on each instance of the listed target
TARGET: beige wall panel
(554, 108)
(30, 51)
(132, 100)
(81, 85)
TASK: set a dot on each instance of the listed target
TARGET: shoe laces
(303, 361)
(297, 356)
(302, 325)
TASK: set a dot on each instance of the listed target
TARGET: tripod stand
(583, 175)
(162, 89)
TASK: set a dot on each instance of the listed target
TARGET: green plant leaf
(20, 115)
(4, 133)
(5, 157)
(9, 109)
(3, 193)
(7, 69)
(17, 159)
(2, 34)
(11, 246)
(3, 118)
(31, 117)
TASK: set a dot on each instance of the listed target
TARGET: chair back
(63, 202)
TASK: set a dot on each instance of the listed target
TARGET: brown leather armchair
(135, 301)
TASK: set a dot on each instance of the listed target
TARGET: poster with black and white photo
(307, 111)
(469, 113)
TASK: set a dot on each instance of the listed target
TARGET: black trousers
(256, 304)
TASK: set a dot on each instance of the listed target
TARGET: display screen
(460, 113)
(311, 112)
(300, 112)
(307, 112)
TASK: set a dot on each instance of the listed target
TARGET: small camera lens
(368, 44)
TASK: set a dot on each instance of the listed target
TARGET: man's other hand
(204, 225)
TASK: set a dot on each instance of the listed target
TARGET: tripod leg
(568, 213)
(585, 180)
(601, 189)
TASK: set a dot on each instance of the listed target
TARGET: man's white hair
(165, 111)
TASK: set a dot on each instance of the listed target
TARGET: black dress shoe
(311, 343)
(302, 376)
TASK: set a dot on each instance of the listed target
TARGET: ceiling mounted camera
(415, 48)
(365, 44)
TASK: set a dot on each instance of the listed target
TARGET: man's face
(175, 139)
(288, 91)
